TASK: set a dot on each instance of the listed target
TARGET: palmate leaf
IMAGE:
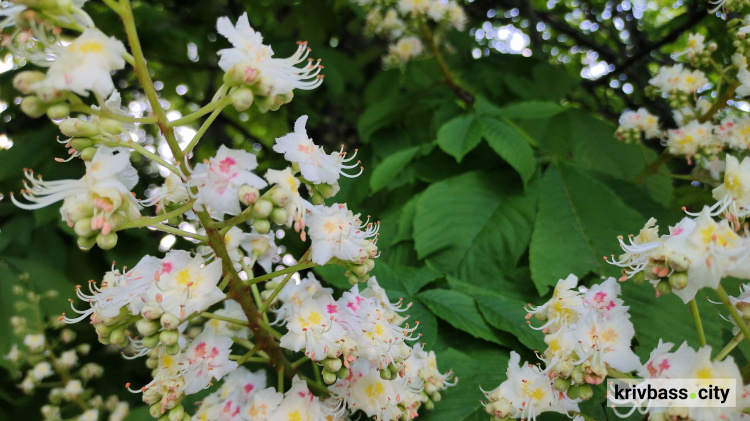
(578, 221)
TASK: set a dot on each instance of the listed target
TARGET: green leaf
(460, 311)
(459, 136)
(333, 275)
(381, 114)
(405, 230)
(530, 109)
(510, 145)
(503, 311)
(390, 167)
(578, 222)
(473, 222)
(474, 369)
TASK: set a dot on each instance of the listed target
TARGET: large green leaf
(474, 369)
(473, 224)
(578, 222)
(461, 311)
(390, 167)
(459, 136)
(510, 145)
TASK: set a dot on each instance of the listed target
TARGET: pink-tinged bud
(241, 74)
(151, 312)
(248, 194)
(58, 111)
(169, 321)
(242, 99)
(50, 95)
(24, 80)
(33, 107)
(75, 127)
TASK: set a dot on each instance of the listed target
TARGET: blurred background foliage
(483, 206)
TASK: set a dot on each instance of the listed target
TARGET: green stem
(290, 271)
(300, 361)
(611, 372)
(721, 102)
(83, 108)
(732, 311)
(147, 221)
(698, 322)
(729, 347)
(177, 231)
(280, 384)
(224, 318)
(211, 106)
(235, 220)
(652, 168)
(112, 4)
(242, 359)
(141, 70)
(206, 124)
(152, 156)
(448, 78)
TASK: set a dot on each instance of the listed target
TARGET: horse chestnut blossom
(253, 61)
(205, 359)
(632, 123)
(336, 232)
(526, 394)
(315, 165)
(85, 65)
(220, 178)
(734, 194)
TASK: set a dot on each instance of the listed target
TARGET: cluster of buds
(38, 102)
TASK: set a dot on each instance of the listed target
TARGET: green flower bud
(106, 242)
(428, 404)
(639, 277)
(147, 327)
(369, 265)
(172, 349)
(279, 216)
(359, 270)
(263, 226)
(75, 127)
(343, 373)
(119, 338)
(111, 126)
(88, 154)
(328, 377)
(169, 337)
(81, 143)
(573, 392)
(262, 209)
(263, 87)
(562, 384)
(317, 198)
(82, 227)
(585, 391)
(33, 107)
(242, 99)
(155, 410)
(23, 80)
(85, 243)
(678, 280)
(177, 413)
(58, 111)
(169, 321)
(385, 374)
(744, 308)
(49, 95)
(436, 397)
(279, 197)
(663, 288)
(332, 364)
(353, 279)
(326, 190)
(264, 103)
(287, 97)
(152, 363)
(151, 341)
(577, 374)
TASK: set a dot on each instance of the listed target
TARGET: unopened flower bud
(264, 103)
(577, 374)
(88, 154)
(151, 312)
(744, 308)
(562, 384)
(33, 107)
(326, 190)
(263, 226)
(328, 377)
(385, 374)
(75, 127)
(82, 227)
(23, 80)
(49, 95)
(241, 74)
(639, 277)
(169, 337)
(248, 194)
(147, 327)
(279, 216)
(169, 321)
(173, 349)
(332, 364)
(585, 391)
(678, 262)
(428, 404)
(155, 410)
(242, 99)
(151, 341)
(263, 87)
(81, 143)
(343, 373)
(663, 288)
(278, 101)
(317, 198)
(106, 242)
(177, 413)
(58, 111)
(85, 243)
(262, 209)
(287, 97)
(111, 126)
(119, 338)
(678, 280)
(369, 265)
(279, 197)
